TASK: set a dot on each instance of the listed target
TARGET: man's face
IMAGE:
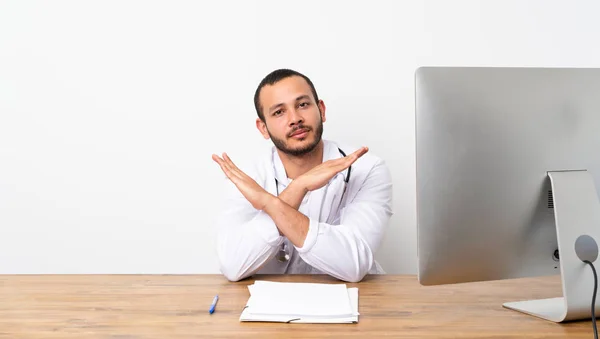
(293, 120)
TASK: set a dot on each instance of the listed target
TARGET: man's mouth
(300, 133)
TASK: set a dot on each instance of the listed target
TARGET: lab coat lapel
(279, 172)
(268, 172)
(322, 201)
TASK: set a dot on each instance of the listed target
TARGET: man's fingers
(341, 164)
(359, 152)
(351, 158)
(225, 168)
(233, 169)
(228, 159)
(230, 164)
(219, 161)
(238, 171)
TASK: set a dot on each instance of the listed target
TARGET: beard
(282, 145)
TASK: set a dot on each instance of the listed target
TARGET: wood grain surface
(176, 306)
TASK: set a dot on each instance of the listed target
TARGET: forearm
(293, 194)
(290, 222)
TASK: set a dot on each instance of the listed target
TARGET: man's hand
(321, 174)
(289, 222)
(252, 191)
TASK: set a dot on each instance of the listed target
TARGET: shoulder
(370, 173)
(370, 178)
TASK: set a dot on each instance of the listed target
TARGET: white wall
(110, 110)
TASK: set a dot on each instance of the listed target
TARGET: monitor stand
(576, 214)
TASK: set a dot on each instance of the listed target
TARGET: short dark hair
(274, 77)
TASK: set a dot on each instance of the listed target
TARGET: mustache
(299, 127)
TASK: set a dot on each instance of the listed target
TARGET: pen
(214, 303)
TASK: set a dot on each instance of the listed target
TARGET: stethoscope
(283, 255)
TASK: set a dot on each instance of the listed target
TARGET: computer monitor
(507, 169)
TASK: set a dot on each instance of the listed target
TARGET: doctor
(310, 206)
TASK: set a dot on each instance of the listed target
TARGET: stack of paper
(301, 303)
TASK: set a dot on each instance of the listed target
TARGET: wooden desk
(173, 307)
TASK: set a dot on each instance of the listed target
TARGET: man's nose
(295, 117)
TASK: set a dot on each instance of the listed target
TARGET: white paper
(301, 303)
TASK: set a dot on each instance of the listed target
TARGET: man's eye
(304, 104)
(277, 112)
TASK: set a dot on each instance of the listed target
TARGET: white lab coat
(341, 241)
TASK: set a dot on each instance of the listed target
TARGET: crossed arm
(284, 209)
(257, 221)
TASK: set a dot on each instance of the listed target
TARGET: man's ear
(321, 105)
(262, 128)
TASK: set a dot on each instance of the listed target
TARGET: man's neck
(295, 166)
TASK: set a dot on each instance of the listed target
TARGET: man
(311, 205)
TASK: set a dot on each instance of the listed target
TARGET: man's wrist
(290, 223)
(294, 193)
(272, 203)
(268, 200)
(299, 186)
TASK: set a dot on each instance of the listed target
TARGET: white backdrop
(110, 110)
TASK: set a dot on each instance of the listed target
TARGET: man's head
(289, 111)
